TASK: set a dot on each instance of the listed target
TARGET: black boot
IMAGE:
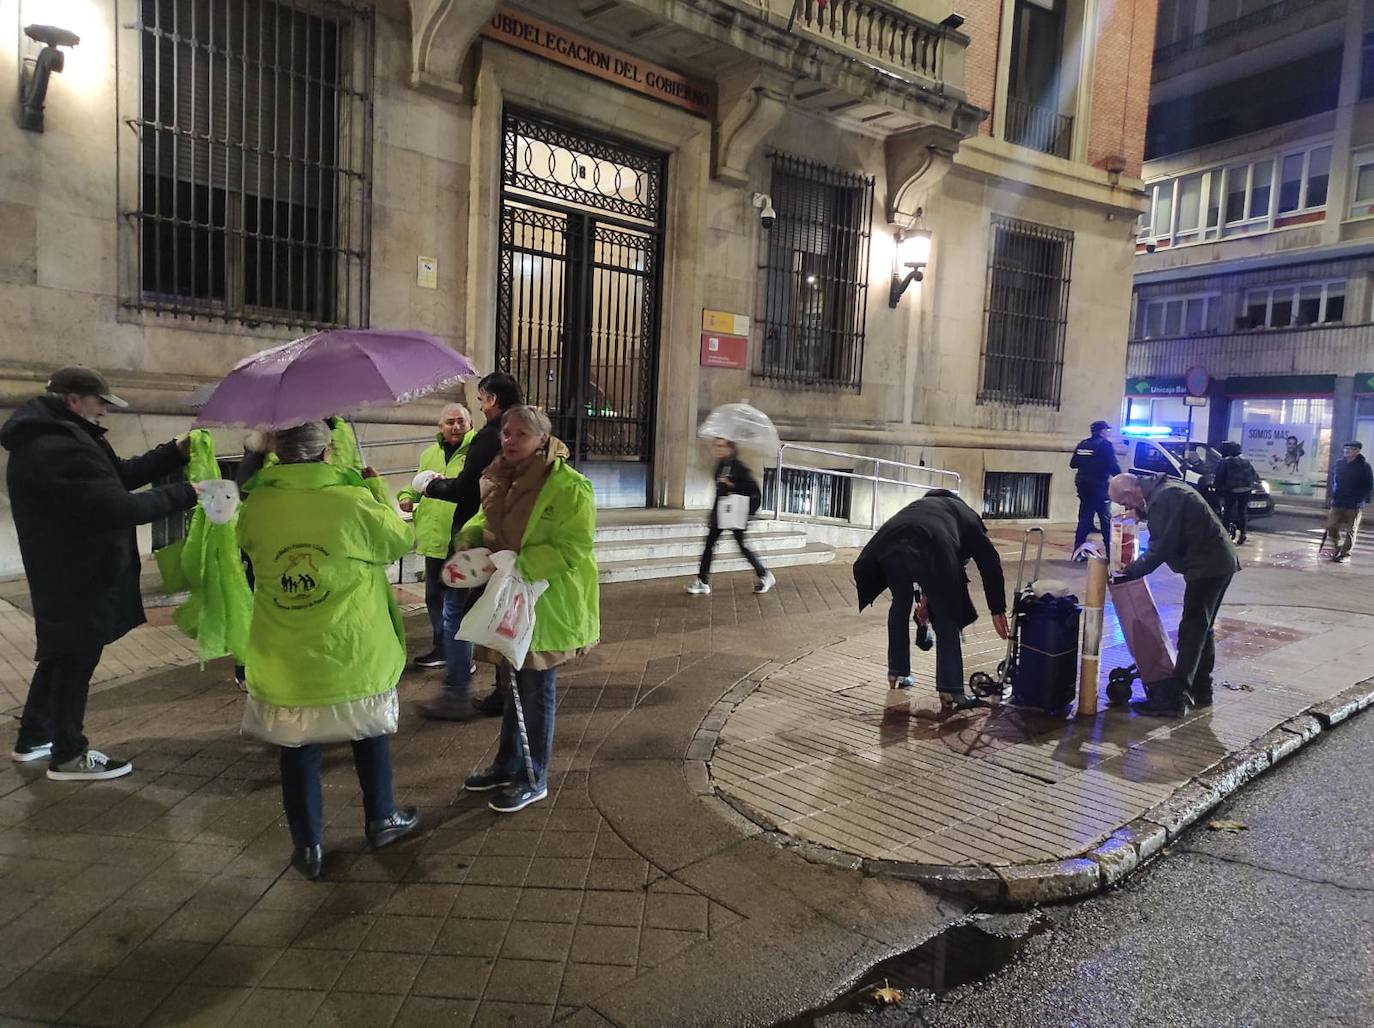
(493, 704)
(308, 860)
(1161, 702)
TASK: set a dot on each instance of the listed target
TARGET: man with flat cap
(75, 512)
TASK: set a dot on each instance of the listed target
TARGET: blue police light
(1147, 431)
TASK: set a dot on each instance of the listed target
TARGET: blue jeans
(434, 599)
(949, 654)
(1093, 504)
(537, 698)
(303, 798)
(457, 653)
(902, 587)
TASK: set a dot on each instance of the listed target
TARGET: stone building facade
(574, 190)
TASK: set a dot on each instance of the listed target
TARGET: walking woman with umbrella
(737, 491)
(536, 505)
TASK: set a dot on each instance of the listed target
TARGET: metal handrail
(951, 479)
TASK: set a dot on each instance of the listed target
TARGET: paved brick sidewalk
(812, 752)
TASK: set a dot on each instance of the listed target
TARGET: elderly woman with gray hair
(535, 504)
(326, 646)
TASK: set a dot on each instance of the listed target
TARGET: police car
(1144, 451)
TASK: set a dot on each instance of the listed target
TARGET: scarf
(509, 492)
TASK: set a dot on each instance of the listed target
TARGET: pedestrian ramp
(635, 545)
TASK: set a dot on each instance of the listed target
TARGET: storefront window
(1288, 439)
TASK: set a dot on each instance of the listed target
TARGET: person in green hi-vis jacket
(434, 518)
(326, 646)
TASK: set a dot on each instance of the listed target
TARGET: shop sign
(724, 351)
(1277, 450)
(517, 29)
(1156, 387)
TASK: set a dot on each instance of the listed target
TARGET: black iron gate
(579, 284)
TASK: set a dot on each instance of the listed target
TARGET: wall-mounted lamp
(911, 255)
(33, 85)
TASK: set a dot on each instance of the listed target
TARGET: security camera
(767, 215)
(1151, 245)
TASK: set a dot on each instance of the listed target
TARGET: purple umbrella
(334, 372)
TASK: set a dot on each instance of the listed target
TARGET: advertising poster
(1279, 451)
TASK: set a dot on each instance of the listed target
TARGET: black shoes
(401, 822)
(493, 704)
(485, 781)
(1160, 706)
(308, 860)
(1198, 698)
(434, 658)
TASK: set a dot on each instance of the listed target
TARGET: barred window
(1027, 308)
(254, 152)
(816, 282)
(1016, 494)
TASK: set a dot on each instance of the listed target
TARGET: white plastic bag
(219, 498)
(732, 511)
(468, 569)
(422, 479)
(503, 618)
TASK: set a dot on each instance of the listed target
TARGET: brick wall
(1121, 82)
(983, 24)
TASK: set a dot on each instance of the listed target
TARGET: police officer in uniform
(1095, 461)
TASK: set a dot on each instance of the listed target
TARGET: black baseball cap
(83, 382)
(1099, 426)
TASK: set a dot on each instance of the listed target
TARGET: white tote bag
(732, 512)
(502, 620)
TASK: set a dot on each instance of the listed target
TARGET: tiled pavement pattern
(162, 898)
(814, 752)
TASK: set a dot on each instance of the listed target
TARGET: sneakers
(485, 781)
(517, 797)
(955, 701)
(493, 704)
(900, 681)
(1339, 558)
(91, 766)
(698, 588)
(434, 658)
(765, 583)
(24, 754)
(446, 708)
(400, 823)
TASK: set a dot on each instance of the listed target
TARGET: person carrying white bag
(737, 497)
(541, 607)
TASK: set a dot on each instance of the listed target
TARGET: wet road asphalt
(1270, 926)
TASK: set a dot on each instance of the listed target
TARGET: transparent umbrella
(741, 424)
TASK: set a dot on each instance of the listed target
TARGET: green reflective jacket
(557, 547)
(220, 606)
(434, 518)
(326, 628)
(344, 451)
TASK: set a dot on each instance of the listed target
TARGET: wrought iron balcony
(880, 32)
(1039, 128)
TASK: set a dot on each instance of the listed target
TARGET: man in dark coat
(1094, 461)
(1186, 534)
(75, 512)
(1233, 483)
(1354, 483)
(496, 394)
(925, 545)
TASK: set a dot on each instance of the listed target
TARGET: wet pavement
(631, 897)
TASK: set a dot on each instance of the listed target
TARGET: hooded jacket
(434, 518)
(934, 537)
(557, 547)
(1185, 533)
(326, 628)
(1354, 483)
(75, 511)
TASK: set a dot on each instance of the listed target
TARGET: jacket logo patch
(300, 583)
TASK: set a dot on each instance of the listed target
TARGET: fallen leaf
(1227, 826)
(886, 996)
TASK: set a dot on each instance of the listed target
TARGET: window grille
(816, 282)
(812, 493)
(1027, 307)
(1016, 494)
(254, 157)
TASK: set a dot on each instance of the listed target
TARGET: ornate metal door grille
(578, 283)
